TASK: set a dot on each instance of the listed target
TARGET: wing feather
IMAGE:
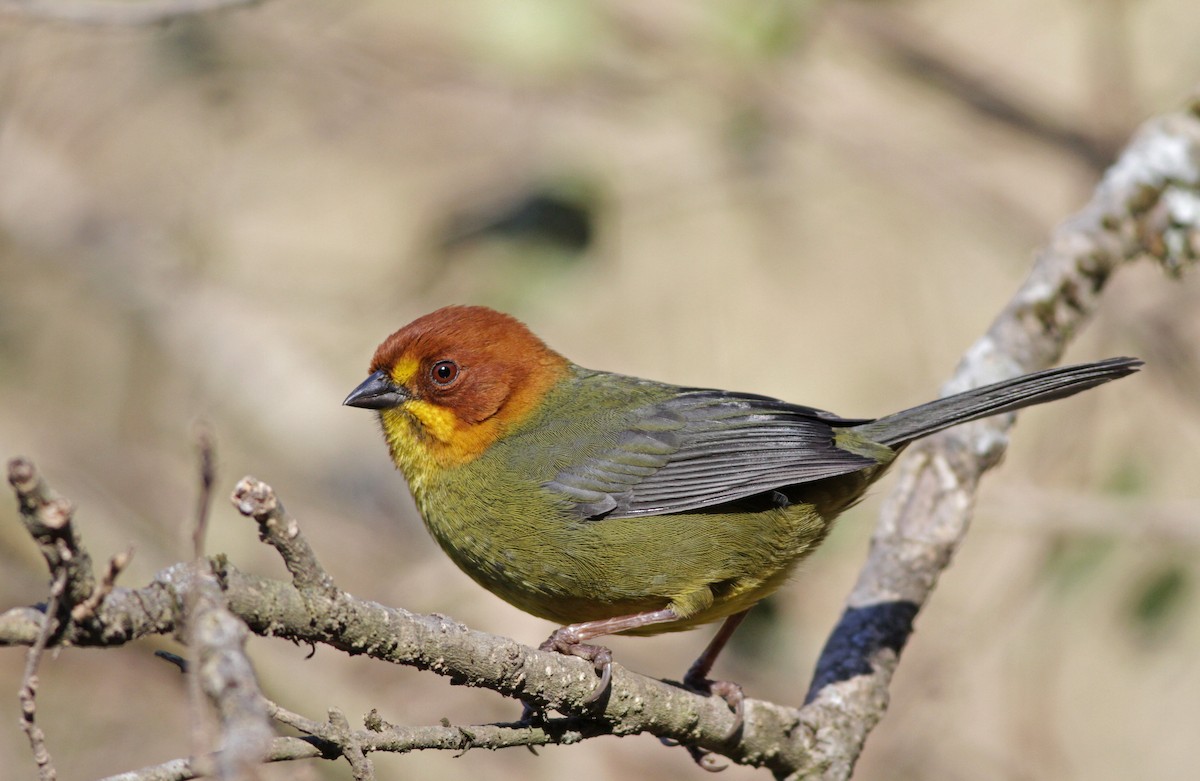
(704, 448)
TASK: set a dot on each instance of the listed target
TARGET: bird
(612, 504)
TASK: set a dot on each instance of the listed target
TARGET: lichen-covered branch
(379, 736)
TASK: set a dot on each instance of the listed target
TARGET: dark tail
(1024, 391)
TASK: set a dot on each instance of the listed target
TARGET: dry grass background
(218, 219)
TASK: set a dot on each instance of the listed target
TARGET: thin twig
(381, 736)
(29, 682)
(185, 769)
(391, 739)
(208, 476)
(352, 748)
(116, 565)
(255, 499)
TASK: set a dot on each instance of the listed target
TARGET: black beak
(377, 392)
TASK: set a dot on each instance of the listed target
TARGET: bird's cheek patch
(438, 422)
(453, 443)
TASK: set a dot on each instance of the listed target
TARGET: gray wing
(704, 448)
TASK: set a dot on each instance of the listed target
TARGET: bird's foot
(733, 696)
(726, 690)
(567, 641)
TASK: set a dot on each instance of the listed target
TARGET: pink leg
(697, 675)
(703, 665)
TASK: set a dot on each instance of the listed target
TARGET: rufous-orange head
(448, 384)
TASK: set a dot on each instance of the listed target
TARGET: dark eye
(444, 372)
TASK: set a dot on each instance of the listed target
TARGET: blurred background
(219, 218)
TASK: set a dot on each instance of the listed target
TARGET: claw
(601, 659)
(735, 698)
(729, 691)
(565, 641)
(706, 760)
